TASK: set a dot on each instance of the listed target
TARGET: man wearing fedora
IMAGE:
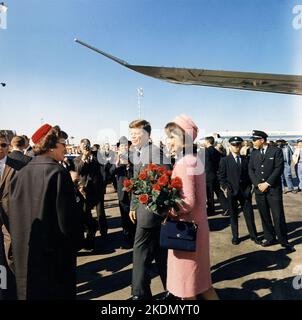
(235, 182)
(265, 170)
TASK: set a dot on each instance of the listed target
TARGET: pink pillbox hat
(187, 124)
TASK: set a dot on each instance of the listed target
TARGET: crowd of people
(47, 198)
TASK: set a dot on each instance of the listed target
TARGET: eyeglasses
(62, 141)
(3, 145)
(255, 139)
(63, 144)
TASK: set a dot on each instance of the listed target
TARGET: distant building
(8, 133)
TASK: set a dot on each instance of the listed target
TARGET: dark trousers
(102, 220)
(146, 248)
(127, 225)
(213, 186)
(246, 205)
(102, 224)
(272, 201)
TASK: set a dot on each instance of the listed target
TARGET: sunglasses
(255, 139)
(3, 145)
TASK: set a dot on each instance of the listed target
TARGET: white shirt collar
(3, 161)
(235, 155)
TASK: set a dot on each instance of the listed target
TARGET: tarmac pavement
(243, 272)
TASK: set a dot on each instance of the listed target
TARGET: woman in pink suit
(189, 272)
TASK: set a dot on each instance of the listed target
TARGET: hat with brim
(235, 140)
(257, 134)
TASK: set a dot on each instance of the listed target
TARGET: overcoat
(44, 228)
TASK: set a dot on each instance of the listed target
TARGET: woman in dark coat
(44, 223)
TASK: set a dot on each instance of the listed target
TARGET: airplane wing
(276, 83)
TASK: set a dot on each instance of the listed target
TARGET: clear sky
(52, 79)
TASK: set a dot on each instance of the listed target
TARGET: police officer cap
(235, 140)
(281, 141)
(257, 134)
(299, 140)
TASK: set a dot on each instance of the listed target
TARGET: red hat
(40, 133)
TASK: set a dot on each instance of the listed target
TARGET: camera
(124, 156)
(86, 147)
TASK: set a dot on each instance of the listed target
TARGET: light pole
(140, 93)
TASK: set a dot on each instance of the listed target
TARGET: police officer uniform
(235, 182)
(267, 165)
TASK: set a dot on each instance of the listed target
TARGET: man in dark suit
(146, 243)
(87, 166)
(17, 154)
(265, 170)
(234, 180)
(212, 160)
(123, 169)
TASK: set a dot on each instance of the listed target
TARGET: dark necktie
(238, 160)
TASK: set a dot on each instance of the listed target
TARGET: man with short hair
(87, 166)
(146, 243)
(18, 144)
(123, 169)
(28, 150)
(107, 158)
(234, 179)
(265, 169)
(212, 160)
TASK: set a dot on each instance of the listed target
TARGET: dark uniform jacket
(267, 168)
(44, 228)
(234, 178)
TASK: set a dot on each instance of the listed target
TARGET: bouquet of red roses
(155, 188)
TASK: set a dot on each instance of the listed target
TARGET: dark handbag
(178, 235)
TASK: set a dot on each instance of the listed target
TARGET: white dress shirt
(235, 157)
(264, 149)
(2, 166)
